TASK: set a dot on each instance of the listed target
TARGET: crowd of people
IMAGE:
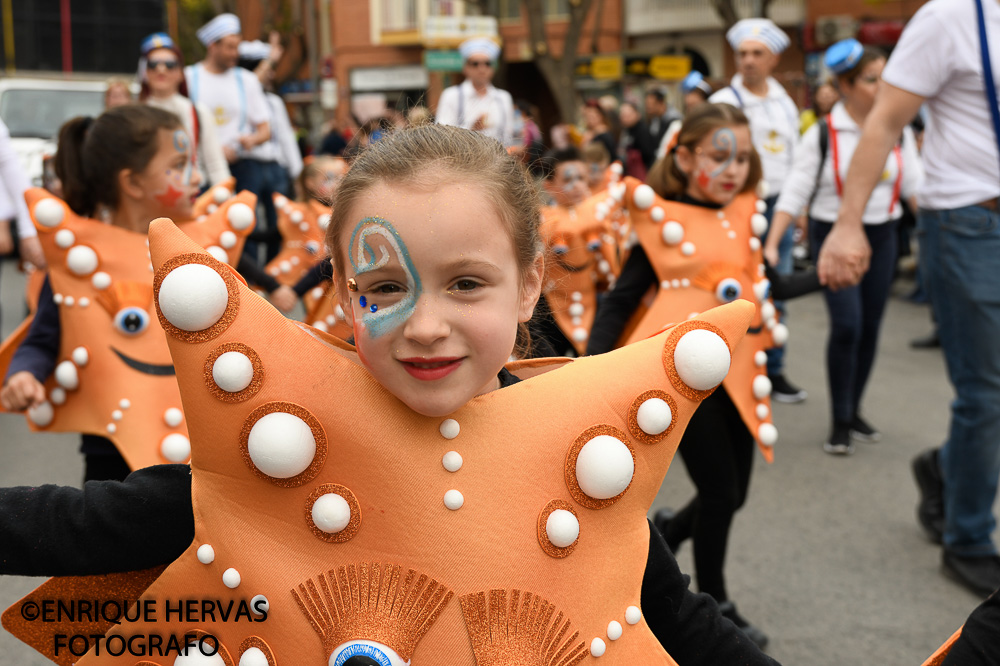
(438, 257)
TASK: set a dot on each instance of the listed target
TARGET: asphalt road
(826, 556)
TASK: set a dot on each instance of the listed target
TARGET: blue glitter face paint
(724, 139)
(365, 258)
(182, 145)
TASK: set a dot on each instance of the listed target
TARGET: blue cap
(695, 81)
(843, 56)
(158, 40)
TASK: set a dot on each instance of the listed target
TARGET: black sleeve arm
(689, 626)
(38, 353)
(799, 283)
(255, 275)
(109, 526)
(322, 270)
(978, 645)
(621, 302)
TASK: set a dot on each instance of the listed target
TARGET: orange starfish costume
(512, 532)
(302, 227)
(712, 257)
(114, 375)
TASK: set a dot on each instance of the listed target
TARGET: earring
(352, 285)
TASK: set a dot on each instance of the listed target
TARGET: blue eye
(132, 321)
(365, 653)
(728, 290)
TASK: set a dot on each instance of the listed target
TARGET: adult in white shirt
(939, 63)
(475, 104)
(236, 100)
(161, 77)
(774, 130)
(816, 184)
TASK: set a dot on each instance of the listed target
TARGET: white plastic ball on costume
(83, 302)
(702, 359)
(232, 371)
(604, 266)
(259, 604)
(763, 189)
(672, 233)
(281, 445)
(657, 214)
(758, 224)
(66, 376)
(57, 396)
(42, 414)
(576, 310)
(101, 280)
(449, 429)
(454, 500)
(633, 614)
(331, 320)
(323, 221)
(240, 216)
(294, 260)
(112, 428)
(80, 356)
(49, 212)
(65, 238)
(576, 296)
(580, 334)
(57, 298)
(206, 554)
(767, 310)
(173, 417)
(227, 239)
(331, 513)
(762, 411)
(193, 297)
(321, 325)
(220, 194)
(81, 260)
(284, 266)
(69, 301)
(604, 467)
(654, 416)
(614, 630)
(597, 647)
(616, 169)
(338, 312)
(117, 415)
(211, 208)
(231, 578)
(761, 206)
(124, 403)
(280, 202)
(452, 461)
(687, 249)
(754, 244)
(176, 448)
(317, 292)
(304, 227)
(761, 387)
(767, 434)
(296, 216)
(780, 334)
(562, 528)
(218, 253)
(761, 289)
(253, 657)
(643, 197)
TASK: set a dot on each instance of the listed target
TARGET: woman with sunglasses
(161, 74)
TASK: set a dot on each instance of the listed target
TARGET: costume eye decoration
(131, 321)
(365, 653)
(728, 290)
(375, 245)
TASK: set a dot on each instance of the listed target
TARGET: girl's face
(163, 72)
(569, 184)
(861, 94)
(322, 184)
(718, 166)
(169, 183)
(117, 95)
(438, 292)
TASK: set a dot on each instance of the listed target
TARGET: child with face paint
(127, 167)
(437, 259)
(581, 255)
(698, 223)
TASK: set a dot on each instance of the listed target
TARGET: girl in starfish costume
(409, 500)
(93, 359)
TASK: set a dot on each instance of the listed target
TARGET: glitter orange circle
(548, 547)
(319, 435)
(668, 357)
(260, 644)
(353, 526)
(575, 490)
(255, 383)
(232, 287)
(633, 416)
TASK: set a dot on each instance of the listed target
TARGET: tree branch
(726, 12)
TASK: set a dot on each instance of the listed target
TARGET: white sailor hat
(481, 46)
(844, 55)
(759, 30)
(255, 50)
(221, 26)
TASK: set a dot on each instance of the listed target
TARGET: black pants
(717, 450)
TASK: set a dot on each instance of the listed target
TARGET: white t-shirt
(938, 58)
(774, 126)
(802, 182)
(13, 183)
(461, 105)
(238, 105)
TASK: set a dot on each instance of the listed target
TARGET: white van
(35, 108)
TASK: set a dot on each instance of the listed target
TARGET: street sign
(443, 61)
(661, 67)
(600, 68)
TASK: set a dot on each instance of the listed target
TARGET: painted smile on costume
(364, 259)
(145, 368)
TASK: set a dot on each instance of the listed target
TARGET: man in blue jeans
(939, 62)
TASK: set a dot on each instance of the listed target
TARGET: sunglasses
(479, 63)
(169, 65)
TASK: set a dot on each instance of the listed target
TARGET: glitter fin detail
(372, 601)
(525, 630)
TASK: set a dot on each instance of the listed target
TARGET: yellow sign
(606, 67)
(669, 67)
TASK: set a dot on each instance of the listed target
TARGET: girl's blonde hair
(427, 155)
(666, 177)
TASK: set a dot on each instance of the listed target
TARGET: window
(556, 8)
(442, 8)
(399, 15)
(510, 10)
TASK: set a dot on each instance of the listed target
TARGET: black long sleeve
(109, 526)
(689, 626)
(621, 302)
(256, 275)
(320, 271)
(978, 644)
